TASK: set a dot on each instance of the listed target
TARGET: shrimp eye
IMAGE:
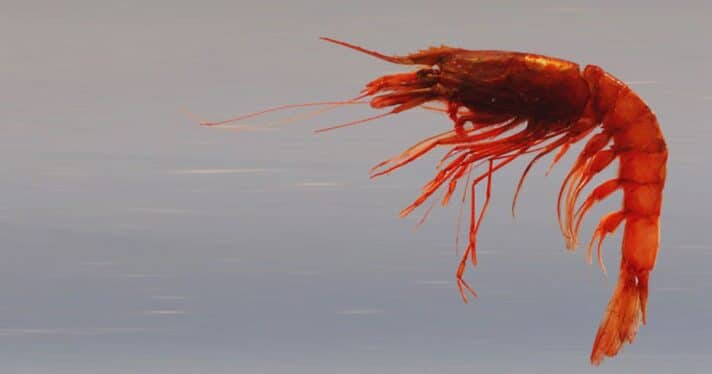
(426, 75)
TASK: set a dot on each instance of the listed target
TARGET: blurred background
(135, 241)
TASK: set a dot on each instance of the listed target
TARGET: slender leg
(608, 225)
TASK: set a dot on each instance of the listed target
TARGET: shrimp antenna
(393, 59)
(352, 123)
(333, 104)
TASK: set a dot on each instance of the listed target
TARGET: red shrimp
(505, 105)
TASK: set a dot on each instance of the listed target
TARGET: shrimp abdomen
(639, 145)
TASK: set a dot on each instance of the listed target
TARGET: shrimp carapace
(505, 105)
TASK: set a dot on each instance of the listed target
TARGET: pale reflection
(360, 311)
(95, 331)
(160, 210)
(168, 297)
(320, 184)
(225, 171)
(165, 312)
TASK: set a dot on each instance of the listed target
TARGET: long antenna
(335, 104)
(352, 123)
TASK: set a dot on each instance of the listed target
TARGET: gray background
(135, 241)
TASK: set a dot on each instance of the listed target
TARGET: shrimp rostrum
(505, 105)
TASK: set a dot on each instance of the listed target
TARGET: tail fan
(622, 317)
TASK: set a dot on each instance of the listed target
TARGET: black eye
(423, 74)
(427, 75)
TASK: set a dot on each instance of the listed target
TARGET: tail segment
(623, 314)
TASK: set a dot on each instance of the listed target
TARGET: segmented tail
(622, 317)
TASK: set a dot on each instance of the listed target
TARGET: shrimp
(505, 105)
